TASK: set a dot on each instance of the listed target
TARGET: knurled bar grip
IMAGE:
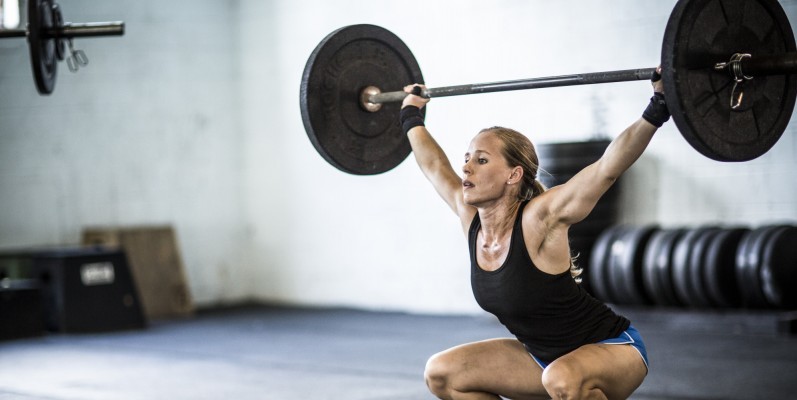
(522, 84)
(761, 65)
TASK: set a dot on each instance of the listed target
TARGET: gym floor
(260, 352)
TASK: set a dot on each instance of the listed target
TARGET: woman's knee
(437, 374)
(563, 381)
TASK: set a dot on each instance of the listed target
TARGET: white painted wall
(147, 133)
(192, 119)
(321, 236)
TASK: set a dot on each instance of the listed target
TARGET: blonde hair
(519, 151)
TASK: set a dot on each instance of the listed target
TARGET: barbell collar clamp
(748, 66)
(744, 67)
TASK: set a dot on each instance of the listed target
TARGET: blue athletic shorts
(629, 336)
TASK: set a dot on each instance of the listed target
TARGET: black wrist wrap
(657, 113)
(410, 117)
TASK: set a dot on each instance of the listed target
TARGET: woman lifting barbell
(568, 344)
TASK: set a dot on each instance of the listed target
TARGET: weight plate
(697, 263)
(664, 264)
(346, 61)
(599, 260)
(570, 156)
(779, 268)
(626, 265)
(719, 273)
(649, 278)
(750, 284)
(741, 263)
(614, 274)
(656, 267)
(566, 150)
(701, 33)
(680, 265)
(42, 49)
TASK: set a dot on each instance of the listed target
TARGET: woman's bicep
(572, 201)
(581, 193)
(447, 184)
(437, 168)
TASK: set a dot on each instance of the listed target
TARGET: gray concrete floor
(289, 353)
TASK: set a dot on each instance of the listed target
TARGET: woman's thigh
(497, 366)
(614, 369)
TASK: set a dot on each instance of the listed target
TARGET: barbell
(727, 67)
(47, 33)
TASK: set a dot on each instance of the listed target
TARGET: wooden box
(156, 266)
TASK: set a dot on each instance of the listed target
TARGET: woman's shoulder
(533, 219)
(539, 206)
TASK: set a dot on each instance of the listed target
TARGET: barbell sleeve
(770, 64)
(73, 30)
(88, 29)
(12, 33)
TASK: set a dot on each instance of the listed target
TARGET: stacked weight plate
(700, 267)
(558, 163)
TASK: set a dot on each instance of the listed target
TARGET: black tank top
(550, 314)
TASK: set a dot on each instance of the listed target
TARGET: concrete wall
(192, 119)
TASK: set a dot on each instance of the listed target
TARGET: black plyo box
(88, 290)
(21, 313)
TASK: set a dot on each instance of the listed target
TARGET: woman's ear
(516, 175)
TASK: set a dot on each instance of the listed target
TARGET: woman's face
(485, 173)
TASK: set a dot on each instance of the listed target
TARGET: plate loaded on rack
(48, 37)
